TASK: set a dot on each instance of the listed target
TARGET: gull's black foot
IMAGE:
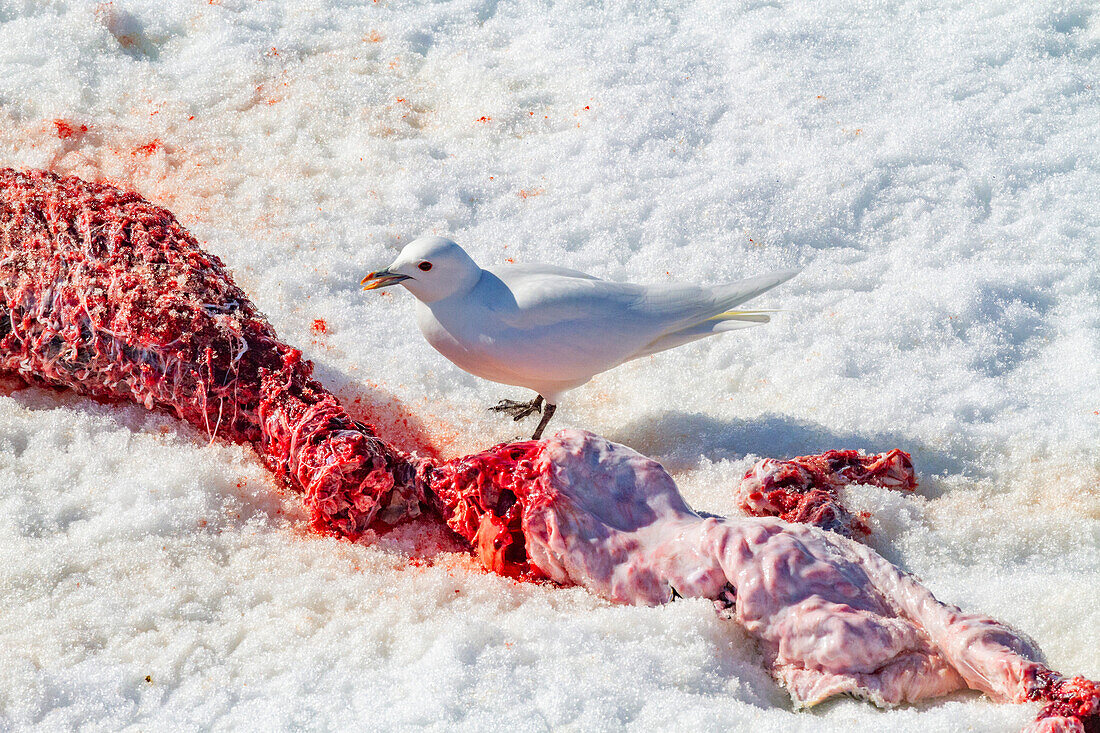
(519, 410)
(546, 415)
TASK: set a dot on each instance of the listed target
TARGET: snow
(932, 166)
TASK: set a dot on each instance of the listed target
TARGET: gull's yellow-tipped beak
(381, 279)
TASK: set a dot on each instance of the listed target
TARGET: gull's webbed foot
(519, 410)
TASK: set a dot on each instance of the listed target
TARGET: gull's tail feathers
(708, 327)
(726, 298)
(733, 294)
(747, 316)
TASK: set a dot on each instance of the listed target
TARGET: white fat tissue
(832, 615)
(930, 167)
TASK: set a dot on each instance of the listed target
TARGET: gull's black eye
(425, 266)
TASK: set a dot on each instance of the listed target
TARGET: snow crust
(932, 166)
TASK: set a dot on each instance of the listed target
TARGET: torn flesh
(830, 614)
(107, 294)
(806, 489)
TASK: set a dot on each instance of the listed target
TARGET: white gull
(551, 329)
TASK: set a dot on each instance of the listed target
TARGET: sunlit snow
(934, 167)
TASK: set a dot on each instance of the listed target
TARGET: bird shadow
(682, 440)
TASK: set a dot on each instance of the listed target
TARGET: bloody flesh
(1070, 698)
(105, 293)
(806, 489)
(482, 498)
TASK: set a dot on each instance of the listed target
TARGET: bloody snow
(106, 294)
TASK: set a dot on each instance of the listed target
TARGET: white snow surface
(934, 167)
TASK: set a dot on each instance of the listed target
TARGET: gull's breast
(481, 343)
(472, 344)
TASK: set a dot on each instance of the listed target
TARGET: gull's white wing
(540, 323)
(525, 269)
(541, 295)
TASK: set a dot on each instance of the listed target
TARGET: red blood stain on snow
(524, 194)
(67, 129)
(372, 403)
(484, 119)
(148, 148)
(319, 326)
(159, 169)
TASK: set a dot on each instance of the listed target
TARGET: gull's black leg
(546, 415)
(519, 410)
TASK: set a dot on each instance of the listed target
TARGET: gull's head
(431, 268)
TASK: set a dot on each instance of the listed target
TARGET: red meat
(806, 489)
(105, 293)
